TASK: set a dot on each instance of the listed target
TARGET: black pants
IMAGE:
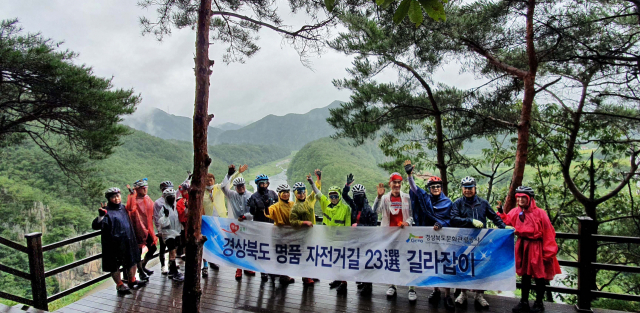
(526, 287)
(163, 249)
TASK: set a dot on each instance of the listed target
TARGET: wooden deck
(222, 293)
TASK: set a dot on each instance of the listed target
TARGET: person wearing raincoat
(396, 211)
(170, 228)
(259, 203)
(361, 215)
(140, 208)
(536, 247)
(302, 213)
(431, 209)
(279, 213)
(335, 212)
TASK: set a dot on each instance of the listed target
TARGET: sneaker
(286, 280)
(342, 289)
(448, 304)
(238, 274)
(136, 284)
(143, 276)
(249, 273)
(205, 272)
(164, 270)
(462, 298)
(308, 281)
(434, 297)
(123, 289)
(214, 267)
(148, 272)
(367, 290)
(522, 307)
(480, 302)
(335, 284)
(391, 292)
(179, 277)
(413, 296)
(537, 307)
(264, 276)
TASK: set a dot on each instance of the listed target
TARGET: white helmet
(283, 187)
(111, 191)
(298, 185)
(358, 189)
(168, 192)
(238, 181)
(468, 182)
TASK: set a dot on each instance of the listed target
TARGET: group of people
(128, 229)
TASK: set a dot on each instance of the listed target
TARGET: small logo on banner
(234, 228)
(413, 238)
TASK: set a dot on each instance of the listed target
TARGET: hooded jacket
(334, 215)
(170, 225)
(463, 213)
(259, 203)
(368, 216)
(428, 209)
(141, 216)
(239, 203)
(118, 240)
(280, 212)
(303, 211)
(536, 247)
(383, 205)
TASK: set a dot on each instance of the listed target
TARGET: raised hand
(318, 173)
(232, 169)
(189, 175)
(130, 190)
(350, 179)
(309, 179)
(408, 167)
(102, 211)
(499, 206)
(437, 226)
(243, 168)
(381, 189)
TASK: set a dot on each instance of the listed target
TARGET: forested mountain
(291, 131)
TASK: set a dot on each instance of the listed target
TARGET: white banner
(467, 258)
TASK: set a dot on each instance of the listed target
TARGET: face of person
(436, 190)
(334, 197)
(142, 191)
(184, 193)
(263, 184)
(285, 195)
(241, 189)
(523, 202)
(170, 199)
(469, 192)
(395, 187)
(301, 195)
(211, 181)
(115, 199)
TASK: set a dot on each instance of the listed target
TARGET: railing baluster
(36, 268)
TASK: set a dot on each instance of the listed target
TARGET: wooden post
(36, 268)
(587, 250)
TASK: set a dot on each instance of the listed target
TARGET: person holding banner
(395, 208)
(535, 250)
(279, 213)
(259, 203)
(361, 215)
(335, 212)
(302, 213)
(431, 209)
(238, 199)
(472, 211)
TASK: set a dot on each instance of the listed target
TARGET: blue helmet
(261, 177)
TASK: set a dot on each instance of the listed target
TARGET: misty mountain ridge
(291, 131)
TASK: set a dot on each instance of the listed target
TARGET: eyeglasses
(301, 190)
(468, 187)
(334, 196)
(436, 187)
(240, 186)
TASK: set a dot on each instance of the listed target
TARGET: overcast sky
(107, 35)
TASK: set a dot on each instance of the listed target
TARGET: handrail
(72, 265)
(567, 236)
(15, 272)
(616, 267)
(13, 245)
(616, 239)
(78, 287)
(11, 297)
(70, 241)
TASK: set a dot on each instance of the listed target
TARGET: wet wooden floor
(222, 293)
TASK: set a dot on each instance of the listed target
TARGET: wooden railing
(586, 265)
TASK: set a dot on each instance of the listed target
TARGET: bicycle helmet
(166, 184)
(111, 191)
(283, 187)
(468, 182)
(168, 192)
(299, 186)
(526, 190)
(434, 180)
(141, 183)
(238, 181)
(261, 177)
(358, 189)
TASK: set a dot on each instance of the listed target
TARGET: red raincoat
(536, 247)
(141, 215)
(180, 207)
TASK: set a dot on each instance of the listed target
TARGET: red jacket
(141, 218)
(536, 247)
(181, 207)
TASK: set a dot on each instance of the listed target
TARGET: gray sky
(107, 35)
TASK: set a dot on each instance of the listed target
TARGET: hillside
(336, 159)
(291, 131)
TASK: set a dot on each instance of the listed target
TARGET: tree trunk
(191, 290)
